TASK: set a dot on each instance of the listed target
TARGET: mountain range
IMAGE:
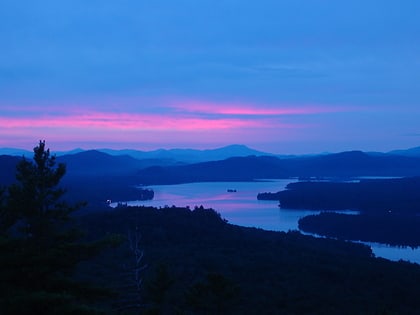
(170, 155)
(166, 170)
(98, 175)
(340, 165)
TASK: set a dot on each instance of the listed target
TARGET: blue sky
(282, 76)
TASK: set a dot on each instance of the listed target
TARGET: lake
(242, 208)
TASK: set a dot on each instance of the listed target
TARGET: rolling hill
(340, 165)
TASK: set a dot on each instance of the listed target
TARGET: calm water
(243, 208)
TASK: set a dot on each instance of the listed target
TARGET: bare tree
(134, 241)
(132, 292)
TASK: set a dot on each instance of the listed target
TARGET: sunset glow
(252, 110)
(189, 122)
(278, 77)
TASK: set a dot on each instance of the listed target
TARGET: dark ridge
(370, 196)
(92, 161)
(391, 229)
(211, 267)
(341, 165)
(232, 169)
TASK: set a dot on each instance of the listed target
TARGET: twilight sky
(284, 76)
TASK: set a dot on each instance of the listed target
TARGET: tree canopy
(40, 248)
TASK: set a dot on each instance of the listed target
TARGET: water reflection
(243, 208)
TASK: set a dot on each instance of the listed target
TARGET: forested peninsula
(197, 263)
(389, 209)
(395, 230)
(398, 196)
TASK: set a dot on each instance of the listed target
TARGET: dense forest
(396, 230)
(398, 196)
(389, 209)
(197, 263)
(58, 259)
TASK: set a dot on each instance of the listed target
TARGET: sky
(282, 76)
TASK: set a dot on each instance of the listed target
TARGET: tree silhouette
(36, 198)
(39, 247)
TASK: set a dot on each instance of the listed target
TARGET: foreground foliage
(39, 248)
(200, 264)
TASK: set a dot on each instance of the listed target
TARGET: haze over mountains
(97, 176)
(341, 165)
(194, 155)
(234, 162)
(178, 155)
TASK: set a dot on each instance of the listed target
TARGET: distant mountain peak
(236, 146)
(352, 153)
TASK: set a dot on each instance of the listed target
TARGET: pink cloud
(167, 122)
(247, 109)
(128, 121)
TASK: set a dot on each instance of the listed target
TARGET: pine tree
(36, 199)
(39, 247)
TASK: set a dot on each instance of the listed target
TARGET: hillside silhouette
(97, 176)
(176, 260)
(389, 209)
(200, 264)
(340, 165)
